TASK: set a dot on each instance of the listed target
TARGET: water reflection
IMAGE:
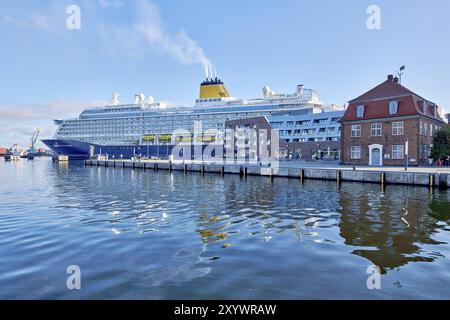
(389, 228)
(159, 235)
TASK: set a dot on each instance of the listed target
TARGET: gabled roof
(376, 102)
(387, 89)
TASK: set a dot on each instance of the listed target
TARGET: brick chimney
(395, 79)
(390, 77)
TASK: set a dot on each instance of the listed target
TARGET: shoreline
(414, 176)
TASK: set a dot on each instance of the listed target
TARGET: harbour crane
(12, 153)
(32, 150)
(12, 149)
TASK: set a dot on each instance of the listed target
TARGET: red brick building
(384, 124)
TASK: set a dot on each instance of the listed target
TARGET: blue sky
(157, 47)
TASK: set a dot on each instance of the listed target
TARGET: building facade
(307, 135)
(389, 125)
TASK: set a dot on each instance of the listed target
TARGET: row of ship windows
(312, 139)
(303, 122)
(102, 113)
(309, 131)
(141, 121)
(135, 127)
(168, 117)
(115, 125)
(118, 132)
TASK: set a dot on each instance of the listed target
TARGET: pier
(430, 177)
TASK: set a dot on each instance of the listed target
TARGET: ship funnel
(215, 72)
(211, 71)
(213, 87)
(206, 71)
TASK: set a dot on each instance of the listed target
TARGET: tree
(441, 144)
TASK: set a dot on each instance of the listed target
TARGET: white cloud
(13, 21)
(18, 111)
(40, 21)
(19, 120)
(111, 3)
(33, 20)
(180, 46)
(147, 33)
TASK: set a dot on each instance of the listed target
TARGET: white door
(376, 157)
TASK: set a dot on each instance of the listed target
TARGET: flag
(402, 68)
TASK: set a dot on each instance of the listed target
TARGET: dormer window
(393, 107)
(360, 111)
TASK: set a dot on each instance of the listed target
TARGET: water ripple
(153, 235)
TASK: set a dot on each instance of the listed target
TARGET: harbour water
(157, 235)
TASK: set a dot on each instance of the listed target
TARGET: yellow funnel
(213, 88)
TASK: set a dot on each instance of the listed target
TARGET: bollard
(302, 174)
(338, 177)
(382, 178)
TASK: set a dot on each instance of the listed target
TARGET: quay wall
(441, 180)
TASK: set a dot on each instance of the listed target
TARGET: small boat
(8, 157)
(60, 158)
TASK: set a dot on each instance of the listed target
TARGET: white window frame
(355, 133)
(355, 152)
(398, 128)
(360, 111)
(393, 107)
(376, 129)
(398, 152)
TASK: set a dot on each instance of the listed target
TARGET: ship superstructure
(145, 122)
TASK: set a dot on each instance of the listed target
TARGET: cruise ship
(151, 129)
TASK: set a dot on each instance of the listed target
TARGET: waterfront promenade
(422, 176)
